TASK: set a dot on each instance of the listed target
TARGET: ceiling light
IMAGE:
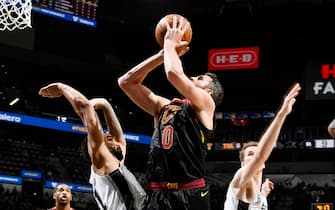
(14, 101)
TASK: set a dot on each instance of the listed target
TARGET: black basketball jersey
(178, 144)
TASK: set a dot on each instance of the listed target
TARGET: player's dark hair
(217, 88)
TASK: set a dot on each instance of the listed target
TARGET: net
(15, 14)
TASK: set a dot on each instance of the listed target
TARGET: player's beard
(117, 153)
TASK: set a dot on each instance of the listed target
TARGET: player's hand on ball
(176, 21)
(182, 50)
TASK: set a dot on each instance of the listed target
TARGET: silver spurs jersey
(233, 203)
(108, 196)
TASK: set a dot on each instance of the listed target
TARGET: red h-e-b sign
(233, 58)
(327, 71)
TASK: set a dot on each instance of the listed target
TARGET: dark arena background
(265, 46)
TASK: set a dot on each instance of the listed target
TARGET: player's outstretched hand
(51, 91)
(290, 99)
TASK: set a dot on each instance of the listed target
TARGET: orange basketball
(161, 29)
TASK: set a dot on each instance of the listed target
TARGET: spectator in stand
(63, 196)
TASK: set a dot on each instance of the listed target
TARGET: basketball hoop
(15, 14)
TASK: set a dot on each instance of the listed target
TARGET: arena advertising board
(62, 126)
(75, 187)
(233, 58)
(320, 80)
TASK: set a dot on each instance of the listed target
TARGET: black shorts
(193, 199)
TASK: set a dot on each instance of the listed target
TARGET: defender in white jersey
(114, 186)
(260, 203)
(113, 191)
(244, 191)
